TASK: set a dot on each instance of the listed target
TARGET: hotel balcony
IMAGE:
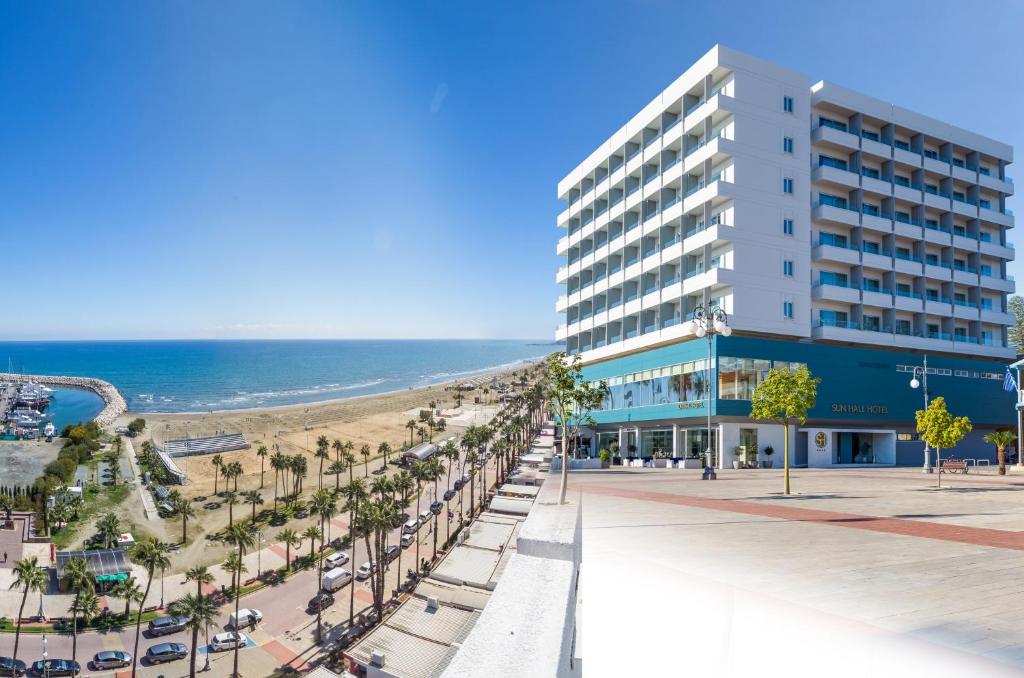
(836, 215)
(994, 249)
(996, 217)
(996, 317)
(827, 174)
(831, 135)
(995, 183)
(834, 292)
(1002, 285)
(851, 332)
(825, 251)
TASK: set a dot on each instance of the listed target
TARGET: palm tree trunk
(74, 631)
(352, 547)
(418, 495)
(261, 472)
(1001, 460)
(17, 628)
(138, 624)
(192, 657)
(238, 597)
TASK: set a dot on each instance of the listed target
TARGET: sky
(378, 170)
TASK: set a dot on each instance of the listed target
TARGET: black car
(56, 667)
(9, 668)
(166, 652)
(436, 507)
(320, 601)
(459, 482)
(449, 494)
(161, 626)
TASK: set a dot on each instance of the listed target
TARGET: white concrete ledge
(527, 627)
(551, 530)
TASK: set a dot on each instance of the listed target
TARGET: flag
(1009, 383)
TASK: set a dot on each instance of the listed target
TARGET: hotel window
(835, 279)
(986, 337)
(873, 136)
(903, 253)
(829, 161)
(787, 267)
(787, 144)
(985, 203)
(870, 210)
(931, 294)
(986, 303)
(986, 269)
(902, 145)
(871, 247)
(827, 318)
(903, 289)
(787, 104)
(872, 284)
(787, 226)
(932, 331)
(738, 377)
(931, 188)
(870, 172)
(872, 323)
(787, 309)
(787, 186)
(931, 259)
(903, 327)
(906, 437)
(928, 153)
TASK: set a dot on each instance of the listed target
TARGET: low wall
(592, 463)
(114, 403)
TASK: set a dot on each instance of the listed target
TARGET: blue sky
(345, 169)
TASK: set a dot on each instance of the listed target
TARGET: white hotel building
(833, 228)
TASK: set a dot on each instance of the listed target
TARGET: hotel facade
(835, 230)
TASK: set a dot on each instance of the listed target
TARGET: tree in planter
(785, 396)
(940, 429)
(572, 400)
(1002, 440)
(768, 452)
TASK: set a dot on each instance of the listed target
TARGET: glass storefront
(656, 443)
(738, 377)
(606, 441)
(854, 448)
(697, 441)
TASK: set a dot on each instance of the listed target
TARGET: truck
(335, 579)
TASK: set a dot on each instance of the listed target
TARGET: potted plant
(606, 458)
(616, 459)
(737, 452)
(768, 452)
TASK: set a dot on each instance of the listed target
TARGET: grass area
(97, 500)
(112, 623)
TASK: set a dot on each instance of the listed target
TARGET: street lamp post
(923, 382)
(259, 552)
(161, 588)
(709, 322)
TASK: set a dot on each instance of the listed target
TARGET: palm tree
(440, 425)
(277, 463)
(242, 538)
(218, 465)
(261, 452)
(108, 528)
(323, 504)
(470, 460)
(200, 612)
(364, 450)
(338, 448)
(433, 471)
(355, 492)
(253, 498)
(234, 566)
(85, 606)
(419, 475)
(450, 452)
(290, 538)
(127, 590)
(151, 555)
(28, 576)
(236, 470)
(77, 578)
(322, 447)
(422, 433)
(200, 574)
(336, 468)
(312, 533)
(230, 498)
(411, 425)
(185, 510)
(1002, 440)
(385, 450)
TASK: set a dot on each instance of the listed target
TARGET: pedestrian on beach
(5, 556)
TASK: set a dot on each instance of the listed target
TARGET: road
(286, 634)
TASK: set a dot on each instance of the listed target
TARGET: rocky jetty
(114, 403)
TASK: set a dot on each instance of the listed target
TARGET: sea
(199, 376)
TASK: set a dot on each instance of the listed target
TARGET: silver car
(111, 659)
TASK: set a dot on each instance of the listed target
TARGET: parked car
(436, 507)
(246, 617)
(424, 517)
(407, 539)
(459, 483)
(334, 579)
(228, 641)
(363, 572)
(111, 659)
(391, 552)
(161, 626)
(411, 526)
(166, 652)
(449, 494)
(9, 668)
(336, 559)
(320, 601)
(56, 667)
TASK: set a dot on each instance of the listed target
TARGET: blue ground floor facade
(864, 415)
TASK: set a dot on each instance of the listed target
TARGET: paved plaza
(859, 572)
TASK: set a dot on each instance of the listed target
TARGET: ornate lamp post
(914, 383)
(709, 322)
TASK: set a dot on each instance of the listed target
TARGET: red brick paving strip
(282, 654)
(977, 536)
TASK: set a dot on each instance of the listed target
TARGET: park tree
(785, 396)
(1002, 440)
(136, 426)
(1015, 332)
(940, 429)
(572, 400)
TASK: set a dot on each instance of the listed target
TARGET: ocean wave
(444, 376)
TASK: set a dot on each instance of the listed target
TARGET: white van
(335, 579)
(411, 526)
(245, 618)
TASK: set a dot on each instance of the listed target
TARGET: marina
(23, 409)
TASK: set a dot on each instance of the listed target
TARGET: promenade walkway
(859, 572)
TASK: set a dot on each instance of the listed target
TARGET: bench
(953, 466)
